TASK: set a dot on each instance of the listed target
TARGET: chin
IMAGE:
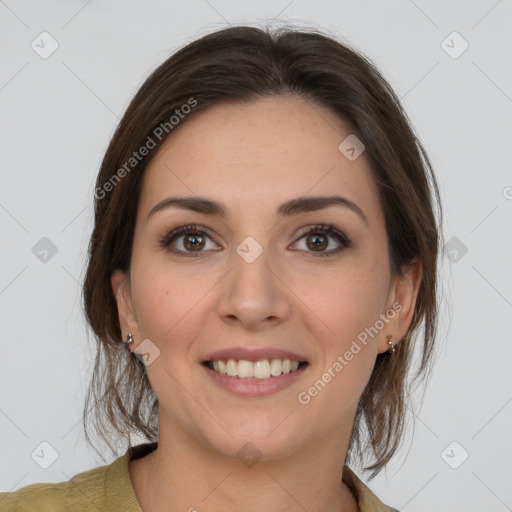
(255, 437)
(249, 449)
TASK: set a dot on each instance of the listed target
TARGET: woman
(265, 246)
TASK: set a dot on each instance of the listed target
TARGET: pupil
(193, 241)
(321, 244)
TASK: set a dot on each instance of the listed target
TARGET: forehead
(266, 151)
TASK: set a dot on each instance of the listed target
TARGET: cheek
(349, 306)
(161, 305)
(155, 293)
(347, 301)
(168, 301)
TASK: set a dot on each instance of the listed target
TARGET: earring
(391, 347)
(129, 341)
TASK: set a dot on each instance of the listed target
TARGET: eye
(190, 241)
(317, 239)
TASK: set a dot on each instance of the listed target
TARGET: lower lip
(255, 387)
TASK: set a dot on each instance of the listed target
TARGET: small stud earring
(129, 341)
(391, 347)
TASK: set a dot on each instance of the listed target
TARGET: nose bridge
(252, 292)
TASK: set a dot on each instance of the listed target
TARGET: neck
(184, 475)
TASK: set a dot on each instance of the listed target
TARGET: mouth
(261, 370)
(255, 372)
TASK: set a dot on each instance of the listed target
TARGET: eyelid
(321, 227)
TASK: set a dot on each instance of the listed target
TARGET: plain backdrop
(449, 62)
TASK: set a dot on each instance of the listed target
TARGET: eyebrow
(287, 209)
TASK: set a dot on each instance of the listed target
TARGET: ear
(401, 305)
(127, 320)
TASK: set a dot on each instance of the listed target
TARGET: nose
(253, 294)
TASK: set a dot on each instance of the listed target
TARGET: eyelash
(325, 229)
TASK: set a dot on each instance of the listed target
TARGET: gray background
(57, 115)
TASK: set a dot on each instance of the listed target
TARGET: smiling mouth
(258, 370)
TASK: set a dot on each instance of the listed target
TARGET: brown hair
(242, 64)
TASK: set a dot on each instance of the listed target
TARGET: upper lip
(253, 355)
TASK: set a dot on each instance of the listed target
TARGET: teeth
(275, 367)
(260, 369)
(231, 368)
(245, 369)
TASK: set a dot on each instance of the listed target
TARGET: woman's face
(255, 285)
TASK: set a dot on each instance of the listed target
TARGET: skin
(252, 158)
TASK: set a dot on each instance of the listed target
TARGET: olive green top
(109, 489)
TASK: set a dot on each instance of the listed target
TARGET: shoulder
(366, 498)
(96, 489)
(88, 485)
(106, 487)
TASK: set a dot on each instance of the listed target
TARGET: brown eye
(318, 239)
(317, 242)
(187, 241)
(193, 242)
